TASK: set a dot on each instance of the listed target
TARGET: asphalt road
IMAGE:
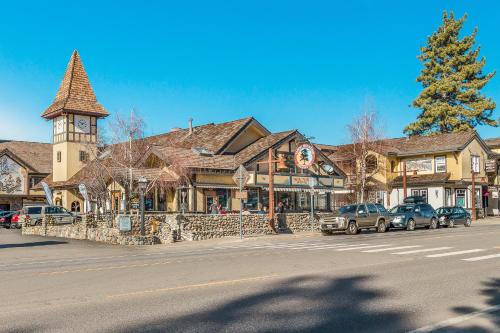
(445, 280)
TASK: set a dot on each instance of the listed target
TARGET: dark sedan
(451, 216)
(410, 216)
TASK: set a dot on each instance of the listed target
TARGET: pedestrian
(214, 208)
(280, 209)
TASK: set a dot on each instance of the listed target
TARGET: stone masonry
(167, 228)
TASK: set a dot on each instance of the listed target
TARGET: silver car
(35, 214)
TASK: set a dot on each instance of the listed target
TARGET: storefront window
(288, 200)
(253, 199)
(380, 197)
(321, 202)
(303, 200)
(222, 196)
(148, 201)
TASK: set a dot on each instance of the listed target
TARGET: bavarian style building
(209, 154)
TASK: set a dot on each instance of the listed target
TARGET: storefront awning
(299, 189)
(214, 186)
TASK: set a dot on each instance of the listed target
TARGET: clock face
(82, 124)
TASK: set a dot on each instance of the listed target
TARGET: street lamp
(312, 183)
(142, 183)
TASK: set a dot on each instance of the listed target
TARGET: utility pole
(271, 187)
(404, 180)
(473, 199)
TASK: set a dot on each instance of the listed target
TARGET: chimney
(190, 120)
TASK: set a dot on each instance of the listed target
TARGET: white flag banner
(48, 193)
(85, 195)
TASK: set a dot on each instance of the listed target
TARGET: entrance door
(460, 197)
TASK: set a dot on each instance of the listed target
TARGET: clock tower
(74, 114)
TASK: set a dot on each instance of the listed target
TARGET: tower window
(83, 156)
(59, 156)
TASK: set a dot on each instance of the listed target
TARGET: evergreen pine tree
(452, 79)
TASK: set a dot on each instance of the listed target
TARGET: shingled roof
(493, 142)
(413, 145)
(213, 137)
(36, 156)
(75, 93)
(435, 178)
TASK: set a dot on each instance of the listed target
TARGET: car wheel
(410, 226)
(433, 224)
(381, 227)
(352, 228)
(468, 222)
(451, 223)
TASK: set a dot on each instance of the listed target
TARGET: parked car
(411, 216)
(14, 221)
(414, 199)
(450, 216)
(35, 214)
(353, 218)
(6, 218)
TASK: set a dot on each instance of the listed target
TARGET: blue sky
(310, 65)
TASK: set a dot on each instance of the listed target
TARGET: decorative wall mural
(11, 176)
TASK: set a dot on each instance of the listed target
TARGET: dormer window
(202, 151)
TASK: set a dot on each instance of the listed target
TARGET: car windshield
(401, 209)
(443, 210)
(348, 209)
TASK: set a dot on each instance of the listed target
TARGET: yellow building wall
(215, 179)
(200, 201)
(70, 159)
(474, 148)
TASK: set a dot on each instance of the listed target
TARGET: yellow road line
(193, 286)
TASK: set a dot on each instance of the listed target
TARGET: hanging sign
(305, 156)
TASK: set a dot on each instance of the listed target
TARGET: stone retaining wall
(166, 228)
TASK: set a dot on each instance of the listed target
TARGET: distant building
(438, 168)
(22, 166)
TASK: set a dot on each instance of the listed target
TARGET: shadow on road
(303, 304)
(32, 244)
(492, 292)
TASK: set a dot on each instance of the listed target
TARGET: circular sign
(305, 156)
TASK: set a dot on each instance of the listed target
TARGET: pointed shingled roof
(75, 93)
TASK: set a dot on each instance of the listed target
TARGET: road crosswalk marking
(423, 250)
(491, 256)
(447, 254)
(393, 248)
(361, 247)
(332, 247)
